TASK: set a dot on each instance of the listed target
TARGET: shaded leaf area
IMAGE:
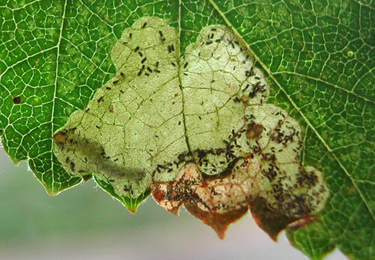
(318, 56)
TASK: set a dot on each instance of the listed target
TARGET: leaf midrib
(178, 53)
(258, 60)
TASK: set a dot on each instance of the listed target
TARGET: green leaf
(318, 58)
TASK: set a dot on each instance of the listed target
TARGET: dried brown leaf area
(216, 201)
(196, 130)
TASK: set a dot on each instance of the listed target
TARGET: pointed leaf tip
(218, 221)
(272, 222)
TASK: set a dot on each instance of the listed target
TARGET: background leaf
(318, 57)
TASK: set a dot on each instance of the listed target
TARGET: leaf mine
(194, 130)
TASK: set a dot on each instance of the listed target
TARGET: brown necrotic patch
(217, 201)
(221, 200)
(60, 138)
(253, 130)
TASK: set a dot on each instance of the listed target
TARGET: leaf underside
(317, 58)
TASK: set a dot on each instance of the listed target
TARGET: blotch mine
(195, 130)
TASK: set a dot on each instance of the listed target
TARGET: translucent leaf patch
(194, 130)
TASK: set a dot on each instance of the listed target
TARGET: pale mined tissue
(195, 130)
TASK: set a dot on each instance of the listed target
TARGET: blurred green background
(86, 223)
